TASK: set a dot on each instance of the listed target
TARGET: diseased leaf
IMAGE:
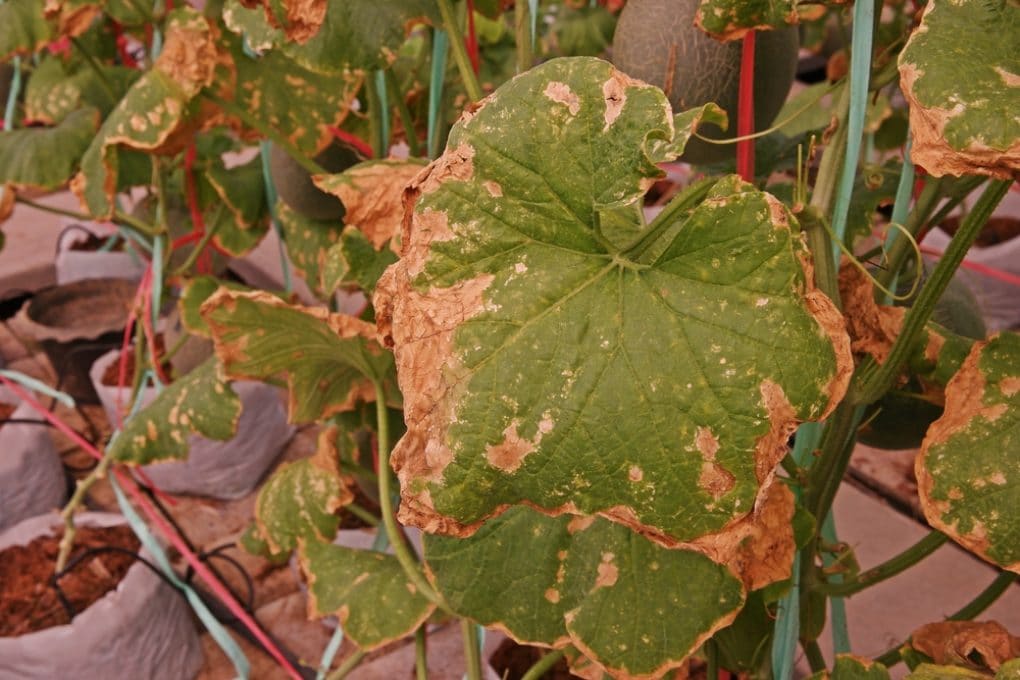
(25, 28)
(368, 591)
(250, 22)
(963, 88)
(354, 261)
(46, 157)
(200, 402)
(329, 359)
(195, 292)
(731, 19)
(298, 103)
(155, 112)
(980, 645)
(242, 190)
(1009, 670)
(564, 580)
(653, 383)
(850, 667)
(298, 19)
(300, 499)
(308, 241)
(373, 196)
(928, 671)
(968, 469)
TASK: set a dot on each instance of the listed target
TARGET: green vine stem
(349, 664)
(376, 126)
(406, 120)
(872, 379)
(67, 514)
(522, 32)
(539, 668)
(421, 656)
(266, 131)
(891, 567)
(397, 538)
(472, 649)
(815, 658)
(196, 252)
(460, 55)
(119, 217)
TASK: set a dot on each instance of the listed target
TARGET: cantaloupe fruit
(294, 184)
(656, 41)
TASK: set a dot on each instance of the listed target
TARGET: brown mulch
(5, 412)
(996, 230)
(29, 603)
(111, 374)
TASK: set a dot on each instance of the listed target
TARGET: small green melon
(657, 41)
(294, 184)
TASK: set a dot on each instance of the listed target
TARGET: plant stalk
(539, 668)
(202, 242)
(349, 664)
(421, 656)
(891, 567)
(397, 538)
(406, 120)
(375, 119)
(472, 655)
(67, 514)
(815, 658)
(460, 55)
(268, 132)
(872, 380)
(522, 33)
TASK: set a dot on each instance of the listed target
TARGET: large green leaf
(631, 605)
(543, 362)
(25, 28)
(368, 591)
(47, 157)
(731, 19)
(200, 402)
(968, 469)
(326, 357)
(960, 72)
(849, 667)
(300, 499)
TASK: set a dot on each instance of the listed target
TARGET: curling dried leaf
(543, 363)
(157, 109)
(298, 103)
(731, 19)
(367, 591)
(300, 499)
(580, 581)
(25, 28)
(308, 242)
(372, 193)
(329, 359)
(200, 402)
(250, 22)
(963, 88)
(968, 469)
(46, 157)
(981, 645)
(299, 20)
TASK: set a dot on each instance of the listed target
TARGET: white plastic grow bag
(32, 480)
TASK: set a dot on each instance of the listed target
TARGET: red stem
(745, 110)
(204, 264)
(358, 143)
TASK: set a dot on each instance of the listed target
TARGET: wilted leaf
(652, 383)
(579, 580)
(960, 73)
(155, 111)
(968, 469)
(53, 92)
(328, 358)
(71, 18)
(242, 190)
(300, 499)
(46, 157)
(200, 402)
(368, 591)
(25, 28)
(849, 667)
(983, 645)
(731, 19)
(373, 195)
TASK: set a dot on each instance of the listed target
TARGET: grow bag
(217, 469)
(75, 324)
(32, 480)
(141, 629)
(75, 265)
